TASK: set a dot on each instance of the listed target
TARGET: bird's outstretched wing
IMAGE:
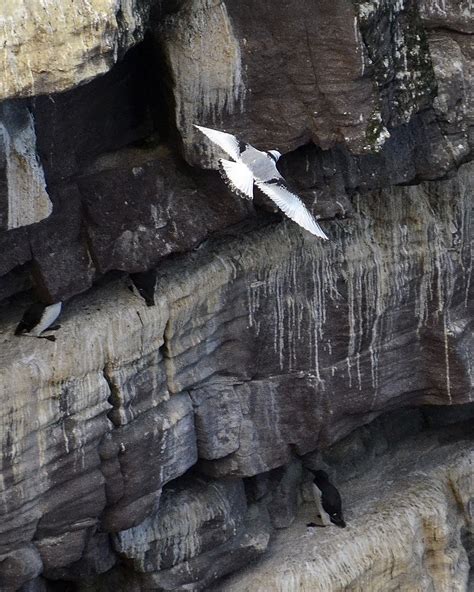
(238, 177)
(227, 142)
(291, 205)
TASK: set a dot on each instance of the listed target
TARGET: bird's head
(320, 474)
(274, 154)
(338, 520)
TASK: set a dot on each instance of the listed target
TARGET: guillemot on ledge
(254, 166)
(37, 318)
(329, 497)
(143, 285)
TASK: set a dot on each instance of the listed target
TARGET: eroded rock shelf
(166, 447)
(408, 524)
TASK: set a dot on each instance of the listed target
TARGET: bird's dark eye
(272, 156)
(242, 146)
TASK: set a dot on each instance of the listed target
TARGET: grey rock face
(218, 417)
(159, 448)
(283, 502)
(19, 567)
(406, 527)
(450, 15)
(283, 367)
(141, 457)
(304, 341)
(202, 571)
(193, 517)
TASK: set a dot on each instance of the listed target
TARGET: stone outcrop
(406, 527)
(50, 47)
(165, 447)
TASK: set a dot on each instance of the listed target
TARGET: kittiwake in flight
(251, 166)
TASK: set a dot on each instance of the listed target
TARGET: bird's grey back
(260, 163)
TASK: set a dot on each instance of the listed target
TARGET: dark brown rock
(75, 126)
(62, 265)
(135, 201)
(282, 81)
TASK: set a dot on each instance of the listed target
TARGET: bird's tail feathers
(238, 176)
(21, 328)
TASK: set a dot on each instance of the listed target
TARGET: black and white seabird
(330, 498)
(37, 318)
(144, 283)
(254, 166)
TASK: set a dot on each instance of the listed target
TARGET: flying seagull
(251, 166)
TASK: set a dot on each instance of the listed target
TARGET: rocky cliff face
(165, 447)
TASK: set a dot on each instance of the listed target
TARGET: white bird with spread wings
(254, 166)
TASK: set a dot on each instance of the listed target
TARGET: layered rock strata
(390, 105)
(259, 348)
(409, 523)
(161, 448)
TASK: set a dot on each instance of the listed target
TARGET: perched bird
(144, 285)
(254, 166)
(37, 318)
(330, 498)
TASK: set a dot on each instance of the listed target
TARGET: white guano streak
(380, 258)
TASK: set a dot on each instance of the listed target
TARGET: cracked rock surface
(166, 447)
(256, 351)
(409, 519)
